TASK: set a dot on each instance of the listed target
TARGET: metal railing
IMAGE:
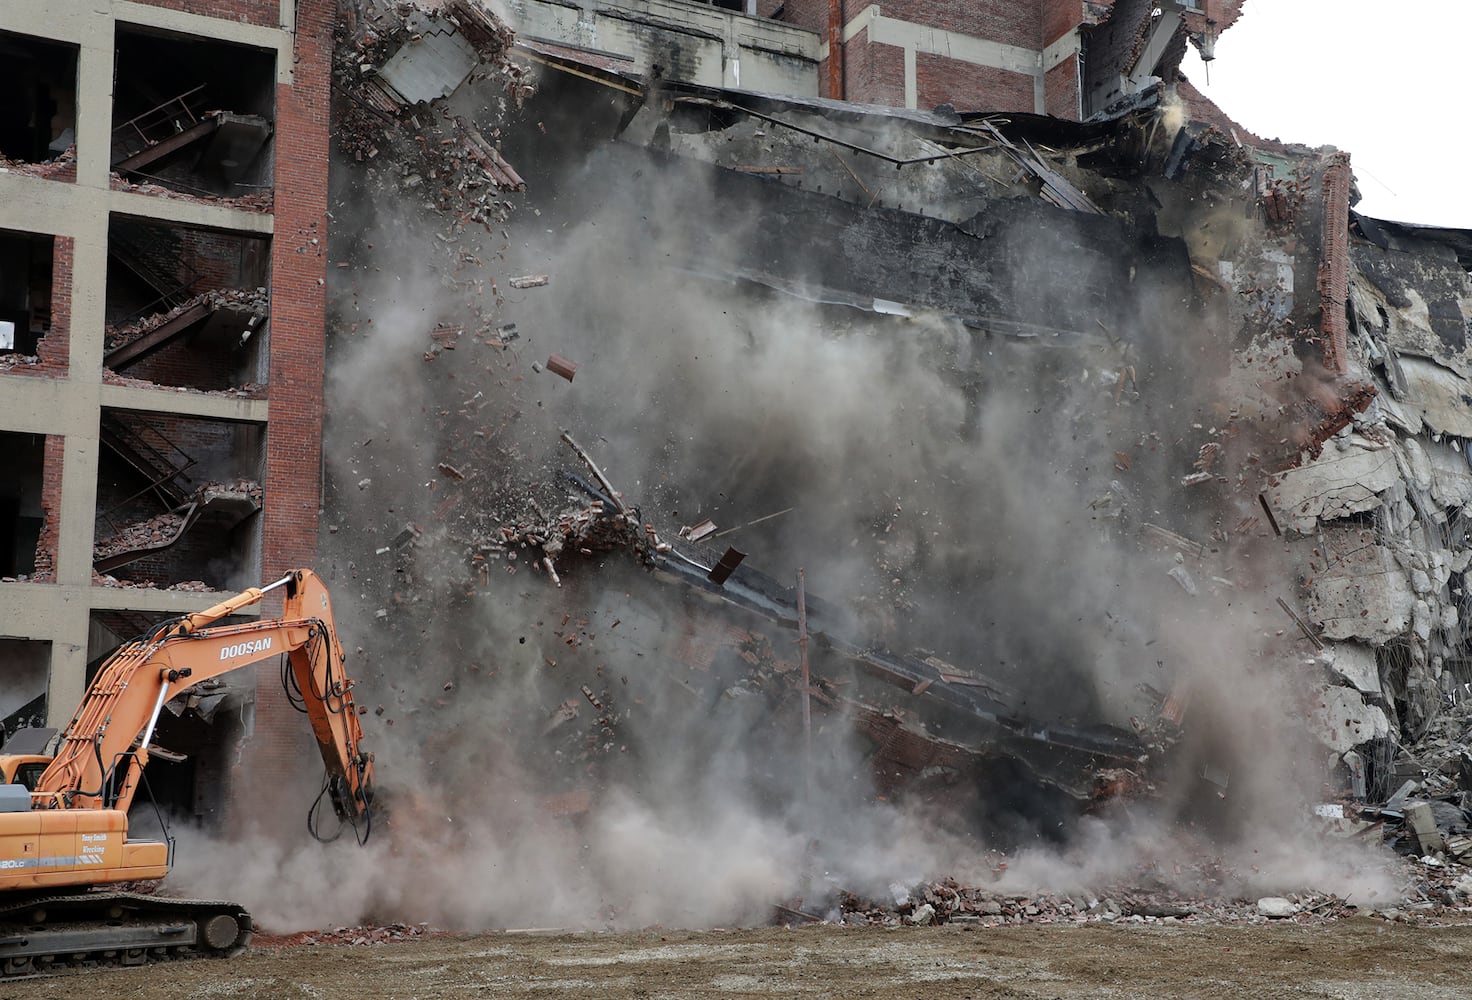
(173, 115)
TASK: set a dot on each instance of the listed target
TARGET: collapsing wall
(1382, 506)
(1018, 397)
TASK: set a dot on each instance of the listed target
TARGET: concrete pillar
(912, 83)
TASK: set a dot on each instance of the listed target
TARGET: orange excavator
(65, 851)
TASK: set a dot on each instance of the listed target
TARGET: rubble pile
(252, 301)
(425, 150)
(1429, 817)
(1440, 763)
(62, 167)
(152, 533)
(395, 933)
(257, 201)
(250, 487)
(163, 530)
(950, 902)
(591, 530)
(188, 586)
(245, 390)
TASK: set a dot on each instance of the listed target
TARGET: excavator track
(42, 933)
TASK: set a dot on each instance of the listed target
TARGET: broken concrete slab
(1439, 395)
(1354, 664)
(923, 916)
(1421, 822)
(1450, 475)
(1342, 720)
(1362, 592)
(1341, 482)
(1276, 907)
(432, 64)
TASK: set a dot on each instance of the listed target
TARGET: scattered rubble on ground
(395, 933)
(950, 902)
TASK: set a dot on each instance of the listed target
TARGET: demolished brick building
(1205, 281)
(1075, 424)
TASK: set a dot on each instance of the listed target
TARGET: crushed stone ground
(1350, 959)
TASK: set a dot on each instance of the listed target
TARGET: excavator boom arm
(105, 745)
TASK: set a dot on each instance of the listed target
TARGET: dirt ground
(1353, 958)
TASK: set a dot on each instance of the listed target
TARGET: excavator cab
(26, 756)
(23, 769)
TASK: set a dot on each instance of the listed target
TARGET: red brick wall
(1060, 17)
(812, 14)
(969, 87)
(181, 365)
(281, 751)
(218, 260)
(52, 462)
(873, 74)
(262, 12)
(1060, 89)
(1011, 22)
(1223, 12)
(1201, 108)
(54, 350)
(1333, 284)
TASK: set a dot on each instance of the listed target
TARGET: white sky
(1387, 81)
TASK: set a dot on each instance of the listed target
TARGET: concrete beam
(52, 208)
(58, 21)
(191, 404)
(39, 610)
(180, 602)
(190, 213)
(38, 405)
(48, 609)
(61, 615)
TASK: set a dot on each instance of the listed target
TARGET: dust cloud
(550, 756)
